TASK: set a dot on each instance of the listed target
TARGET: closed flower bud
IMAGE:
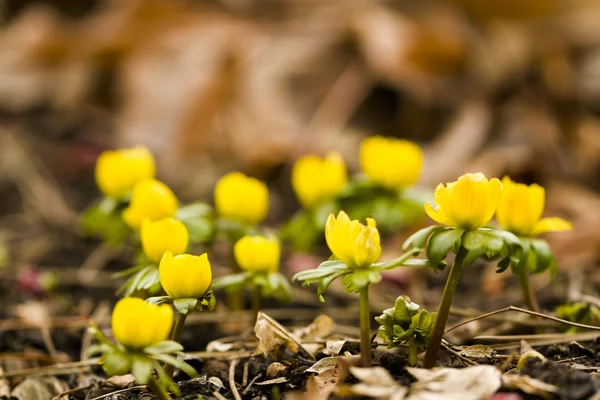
(137, 324)
(520, 210)
(152, 200)
(163, 235)
(185, 276)
(257, 253)
(469, 203)
(392, 163)
(241, 198)
(316, 179)
(118, 171)
(356, 245)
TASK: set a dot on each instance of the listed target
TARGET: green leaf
(116, 362)
(144, 279)
(322, 211)
(184, 306)
(280, 286)
(483, 241)
(439, 244)
(359, 278)
(158, 299)
(230, 280)
(326, 281)
(128, 271)
(324, 269)
(141, 368)
(543, 256)
(164, 347)
(182, 365)
(419, 238)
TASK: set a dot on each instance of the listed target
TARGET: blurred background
(497, 86)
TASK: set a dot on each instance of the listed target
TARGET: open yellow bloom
(356, 245)
(392, 163)
(241, 198)
(137, 324)
(521, 207)
(257, 253)
(119, 170)
(163, 235)
(152, 200)
(469, 203)
(315, 179)
(185, 276)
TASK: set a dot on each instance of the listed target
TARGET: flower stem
(256, 302)
(528, 294)
(435, 340)
(412, 353)
(365, 328)
(159, 390)
(176, 337)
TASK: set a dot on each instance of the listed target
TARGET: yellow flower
(185, 276)
(520, 210)
(257, 253)
(469, 203)
(137, 324)
(356, 245)
(118, 171)
(151, 199)
(163, 235)
(392, 163)
(315, 179)
(241, 198)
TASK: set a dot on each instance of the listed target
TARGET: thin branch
(232, 385)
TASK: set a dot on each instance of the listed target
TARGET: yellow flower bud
(315, 179)
(163, 235)
(118, 171)
(185, 276)
(356, 245)
(152, 200)
(257, 253)
(137, 324)
(521, 207)
(392, 163)
(469, 203)
(241, 198)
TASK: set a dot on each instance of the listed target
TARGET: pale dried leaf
(34, 313)
(374, 382)
(472, 383)
(334, 347)
(218, 346)
(528, 385)
(321, 327)
(324, 364)
(271, 334)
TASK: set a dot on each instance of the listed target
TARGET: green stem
(256, 302)
(176, 337)
(159, 390)
(528, 294)
(412, 353)
(384, 266)
(365, 328)
(435, 340)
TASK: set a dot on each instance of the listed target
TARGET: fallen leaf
(324, 364)
(271, 335)
(529, 385)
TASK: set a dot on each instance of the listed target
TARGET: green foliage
(581, 313)
(271, 284)
(187, 305)
(117, 360)
(305, 229)
(199, 219)
(143, 277)
(536, 258)
(104, 219)
(392, 209)
(406, 325)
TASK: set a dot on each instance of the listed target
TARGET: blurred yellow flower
(315, 179)
(257, 253)
(137, 324)
(469, 203)
(392, 163)
(241, 198)
(185, 276)
(151, 199)
(118, 171)
(351, 242)
(163, 235)
(520, 210)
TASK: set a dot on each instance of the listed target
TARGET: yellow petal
(315, 179)
(241, 198)
(137, 324)
(257, 253)
(551, 224)
(437, 215)
(163, 235)
(118, 171)
(520, 207)
(150, 199)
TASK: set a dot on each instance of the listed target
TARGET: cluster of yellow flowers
(472, 201)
